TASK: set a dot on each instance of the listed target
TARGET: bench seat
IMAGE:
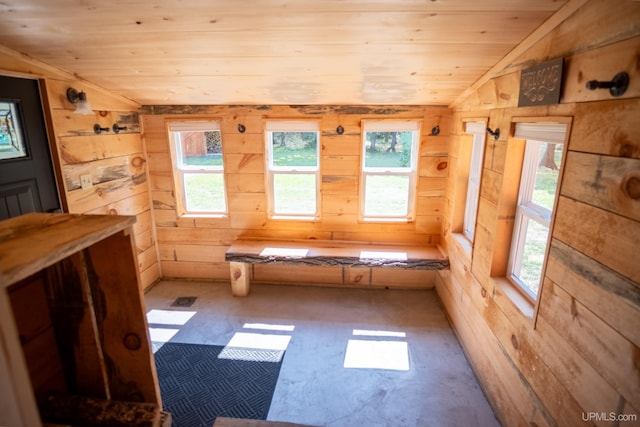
(245, 252)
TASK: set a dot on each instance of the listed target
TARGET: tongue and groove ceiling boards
(410, 52)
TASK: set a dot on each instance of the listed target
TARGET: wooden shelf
(71, 280)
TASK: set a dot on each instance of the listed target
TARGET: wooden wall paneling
(81, 201)
(69, 124)
(517, 342)
(610, 354)
(99, 98)
(340, 204)
(106, 170)
(430, 225)
(398, 278)
(607, 238)
(601, 64)
(432, 166)
(195, 270)
(593, 133)
(609, 295)
(95, 147)
(610, 183)
(303, 275)
(356, 276)
(480, 346)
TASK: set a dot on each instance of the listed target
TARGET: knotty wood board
(336, 254)
(34, 241)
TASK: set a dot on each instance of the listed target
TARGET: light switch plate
(86, 182)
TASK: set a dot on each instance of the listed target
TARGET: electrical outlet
(86, 182)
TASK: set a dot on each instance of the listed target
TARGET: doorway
(27, 179)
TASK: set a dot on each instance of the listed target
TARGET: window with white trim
(536, 199)
(479, 131)
(198, 162)
(389, 170)
(293, 169)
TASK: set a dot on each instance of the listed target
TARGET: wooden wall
(194, 247)
(577, 352)
(116, 163)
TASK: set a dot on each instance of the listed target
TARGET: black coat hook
(616, 87)
(116, 128)
(340, 130)
(435, 131)
(241, 128)
(98, 130)
(494, 133)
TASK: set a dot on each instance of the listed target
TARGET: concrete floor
(314, 386)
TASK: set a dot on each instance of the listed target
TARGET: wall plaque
(541, 84)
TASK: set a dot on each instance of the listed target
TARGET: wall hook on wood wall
(435, 131)
(241, 128)
(117, 129)
(340, 130)
(98, 130)
(494, 133)
(616, 87)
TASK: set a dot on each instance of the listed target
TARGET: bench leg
(240, 278)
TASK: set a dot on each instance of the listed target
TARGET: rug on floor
(201, 382)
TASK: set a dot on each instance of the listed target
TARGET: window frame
(271, 171)
(413, 126)
(534, 135)
(181, 170)
(472, 198)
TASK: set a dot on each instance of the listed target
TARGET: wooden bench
(245, 252)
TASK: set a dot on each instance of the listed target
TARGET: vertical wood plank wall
(194, 247)
(116, 163)
(582, 354)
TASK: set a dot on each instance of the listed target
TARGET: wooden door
(27, 180)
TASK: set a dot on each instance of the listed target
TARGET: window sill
(203, 215)
(293, 218)
(386, 220)
(463, 243)
(505, 287)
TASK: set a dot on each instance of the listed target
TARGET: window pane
(386, 195)
(388, 149)
(201, 148)
(204, 192)
(11, 144)
(295, 148)
(294, 193)
(549, 161)
(533, 255)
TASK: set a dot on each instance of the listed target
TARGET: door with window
(27, 180)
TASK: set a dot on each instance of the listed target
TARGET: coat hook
(241, 128)
(98, 130)
(494, 133)
(117, 128)
(435, 131)
(340, 130)
(616, 87)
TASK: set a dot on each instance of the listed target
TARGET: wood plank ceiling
(422, 52)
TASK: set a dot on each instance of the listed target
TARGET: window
(389, 170)
(536, 199)
(197, 158)
(293, 169)
(478, 130)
